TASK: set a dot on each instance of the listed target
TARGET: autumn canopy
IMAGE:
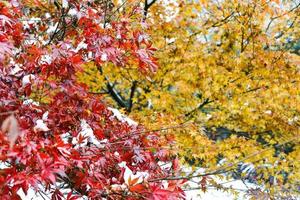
(104, 99)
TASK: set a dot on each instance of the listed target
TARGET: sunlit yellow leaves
(224, 52)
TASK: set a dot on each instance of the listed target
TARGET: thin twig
(224, 169)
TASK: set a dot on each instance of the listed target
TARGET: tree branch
(226, 168)
(205, 102)
(278, 16)
(113, 92)
(216, 24)
(147, 6)
(115, 95)
(132, 91)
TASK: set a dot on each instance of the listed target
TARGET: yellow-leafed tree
(227, 87)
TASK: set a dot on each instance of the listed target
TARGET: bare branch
(205, 102)
(147, 6)
(130, 100)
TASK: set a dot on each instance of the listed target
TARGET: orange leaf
(132, 182)
(137, 188)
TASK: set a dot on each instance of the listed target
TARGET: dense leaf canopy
(213, 85)
(58, 138)
(227, 86)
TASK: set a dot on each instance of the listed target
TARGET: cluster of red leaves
(42, 144)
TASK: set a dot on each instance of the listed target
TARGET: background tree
(228, 86)
(58, 138)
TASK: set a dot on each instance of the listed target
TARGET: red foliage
(51, 151)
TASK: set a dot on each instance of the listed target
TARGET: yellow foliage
(223, 64)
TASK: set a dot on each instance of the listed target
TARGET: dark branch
(115, 95)
(130, 100)
(205, 102)
(147, 6)
(112, 91)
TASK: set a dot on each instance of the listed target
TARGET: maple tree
(56, 136)
(227, 86)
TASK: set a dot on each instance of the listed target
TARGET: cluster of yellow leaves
(222, 64)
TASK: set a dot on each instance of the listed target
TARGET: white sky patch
(268, 112)
(247, 167)
(122, 118)
(30, 101)
(45, 59)
(41, 126)
(26, 23)
(129, 174)
(32, 194)
(213, 194)
(104, 57)
(149, 1)
(119, 36)
(172, 12)
(118, 187)
(149, 104)
(170, 40)
(3, 165)
(73, 12)
(87, 132)
(16, 67)
(81, 45)
(47, 15)
(90, 55)
(208, 116)
(45, 116)
(65, 3)
(202, 39)
(51, 29)
(27, 79)
(65, 137)
(143, 37)
(116, 154)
